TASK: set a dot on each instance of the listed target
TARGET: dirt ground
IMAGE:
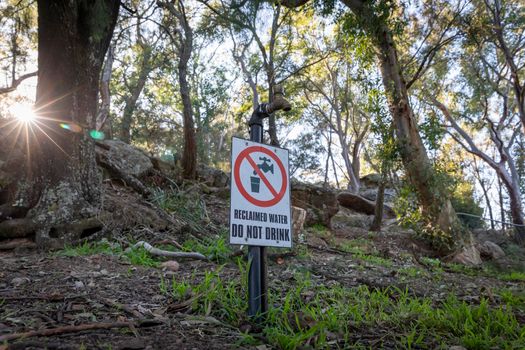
(122, 306)
(46, 291)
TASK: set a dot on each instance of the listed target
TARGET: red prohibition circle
(236, 174)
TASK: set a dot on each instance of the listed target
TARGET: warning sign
(260, 195)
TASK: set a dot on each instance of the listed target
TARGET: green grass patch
(216, 247)
(136, 256)
(364, 250)
(321, 317)
(513, 276)
(84, 249)
(186, 205)
(140, 256)
(411, 271)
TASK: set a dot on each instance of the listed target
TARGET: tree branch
(16, 82)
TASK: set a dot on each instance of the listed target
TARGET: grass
(513, 276)
(216, 248)
(309, 314)
(186, 205)
(84, 249)
(363, 249)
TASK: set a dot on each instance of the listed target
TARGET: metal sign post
(257, 257)
(260, 196)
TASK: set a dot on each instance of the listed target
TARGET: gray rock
(18, 281)
(127, 158)
(348, 218)
(468, 256)
(370, 180)
(491, 250)
(371, 194)
(298, 219)
(320, 203)
(213, 177)
(362, 205)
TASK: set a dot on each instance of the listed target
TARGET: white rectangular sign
(260, 212)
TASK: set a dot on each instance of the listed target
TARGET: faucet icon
(264, 166)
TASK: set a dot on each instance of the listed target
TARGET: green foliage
(513, 276)
(410, 216)
(140, 256)
(86, 248)
(302, 153)
(314, 315)
(216, 248)
(184, 204)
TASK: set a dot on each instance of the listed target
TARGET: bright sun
(23, 112)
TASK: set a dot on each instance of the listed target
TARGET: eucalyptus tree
(380, 22)
(17, 41)
(496, 32)
(332, 94)
(264, 42)
(59, 195)
(137, 51)
(483, 100)
(177, 20)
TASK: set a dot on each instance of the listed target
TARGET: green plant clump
(323, 317)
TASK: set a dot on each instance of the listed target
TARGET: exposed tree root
(16, 228)
(7, 211)
(17, 243)
(159, 252)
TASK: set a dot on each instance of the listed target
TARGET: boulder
(371, 194)
(468, 256)
(298, 219)
(498, 237)
(319, 203)
(163, 166)
(349, 218)
(127, 159)
(213, 177)
(362, 205)
(370, 180)
(490, 250)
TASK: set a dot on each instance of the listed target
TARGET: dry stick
(129, 310)
(65, 329)
(159, 252)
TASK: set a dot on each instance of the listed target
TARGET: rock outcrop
(362, 205)
(319, 203)
(491, 251)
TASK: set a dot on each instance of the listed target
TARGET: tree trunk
(189, 153)
(433, 198)
(105, 94)
(501, 204)
(62, 186)
(487, 202)
(380, 200)
(516, 206)
(136, 90)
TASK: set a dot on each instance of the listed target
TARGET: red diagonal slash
(262, 176)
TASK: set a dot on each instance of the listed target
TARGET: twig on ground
(159, 252)
(66, 329)
(129, 310)
(172, 242)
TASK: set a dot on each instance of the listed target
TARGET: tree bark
(136, 90)
(378, 210)
(62, 184)
(434, 199)
(184, 46)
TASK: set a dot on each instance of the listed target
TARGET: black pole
(257, 273)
